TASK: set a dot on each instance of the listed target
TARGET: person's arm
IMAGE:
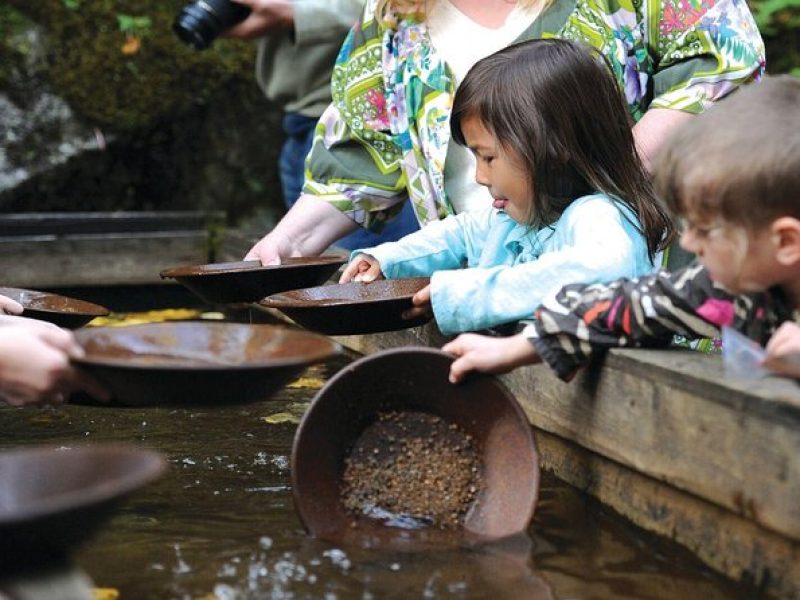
(582, 319)
(447, 244)
(309, 227)
(266, 17)
(653, 129)
(35, 363)
(700, 58)
(646, 312)
(591, 242)
(487, 354)
(783, 350)
(354, 166)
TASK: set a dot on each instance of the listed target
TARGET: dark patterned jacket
(647, 312)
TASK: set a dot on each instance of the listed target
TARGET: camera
(203, 20)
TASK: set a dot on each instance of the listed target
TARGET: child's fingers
(369, 274)
(416, 312)
(349, 272)
(10, 306)
(460, 367)
(422, 297)
(454, 347)
(461, 345)
(785, 340)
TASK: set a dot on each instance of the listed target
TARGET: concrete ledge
(47, 250)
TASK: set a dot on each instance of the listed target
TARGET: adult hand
(488, 354)
(270, 249)
(309, 227)
(9, 306)
(266, 16)
(362, 268)
(422, 304)
(35, 363)
(783, 350)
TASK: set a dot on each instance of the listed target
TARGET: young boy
(733, 174)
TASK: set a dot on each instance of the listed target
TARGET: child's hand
(35, 363)
(422, 304)
(362, 268)
(489, 354)
(783, 350)
(9, 306)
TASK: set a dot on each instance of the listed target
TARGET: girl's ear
(786, 235)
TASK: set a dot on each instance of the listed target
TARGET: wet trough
(221, 522)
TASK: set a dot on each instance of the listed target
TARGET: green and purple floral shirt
(384, 137)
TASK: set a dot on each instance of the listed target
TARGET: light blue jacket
(512, 268)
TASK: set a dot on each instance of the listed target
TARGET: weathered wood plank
(72, 223)
(726, 542)
(97, 260)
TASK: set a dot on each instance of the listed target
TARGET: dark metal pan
(248, 281)
(414, 379)
(63, 311)
(52, 499)
(197, 362)
(351, 308)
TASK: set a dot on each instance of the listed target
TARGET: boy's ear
(786, 233)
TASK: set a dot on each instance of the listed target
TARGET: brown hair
(740, 159)
(557, 106)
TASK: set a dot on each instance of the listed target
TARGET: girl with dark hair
(738, 193)
(571, 201)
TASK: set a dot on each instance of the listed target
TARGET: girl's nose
(481, 177)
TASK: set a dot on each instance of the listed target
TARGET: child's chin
(730, 286)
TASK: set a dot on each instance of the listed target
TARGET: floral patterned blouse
(582, 320)
(384, 137)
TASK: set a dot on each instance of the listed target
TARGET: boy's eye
(701, 230)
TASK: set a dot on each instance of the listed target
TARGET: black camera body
(203, 20)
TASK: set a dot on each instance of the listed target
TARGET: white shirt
(449, 28)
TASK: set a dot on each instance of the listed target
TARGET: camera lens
(202, 21)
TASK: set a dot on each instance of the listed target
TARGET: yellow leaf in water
(105, 594)
(306, 383)
(282, 417)
(132, 45)
(151, 316)
(213, 316)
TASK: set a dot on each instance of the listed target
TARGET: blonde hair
(419, 8)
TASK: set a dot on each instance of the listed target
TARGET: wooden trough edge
(662, 438)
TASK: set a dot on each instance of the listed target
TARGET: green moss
(13, 45)
(126, 91)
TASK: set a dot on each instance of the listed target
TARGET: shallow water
(221, 523)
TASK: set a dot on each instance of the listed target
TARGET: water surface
(221, 523)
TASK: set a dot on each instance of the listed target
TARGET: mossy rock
(123, 80)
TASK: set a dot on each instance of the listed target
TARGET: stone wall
(102, 108)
